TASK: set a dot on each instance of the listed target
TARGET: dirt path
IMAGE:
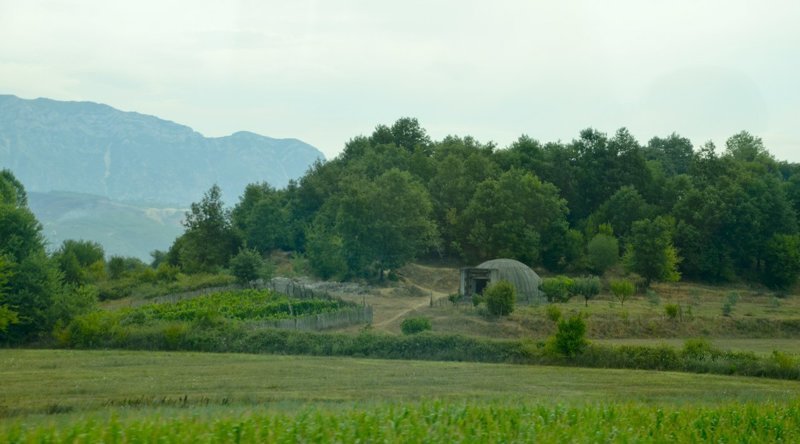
(417, 304)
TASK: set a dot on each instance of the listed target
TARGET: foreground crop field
(117, 396)
(439, 422)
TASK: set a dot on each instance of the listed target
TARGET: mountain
(122, 229)
(92, 148)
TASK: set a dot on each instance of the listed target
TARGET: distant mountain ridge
(92, 148)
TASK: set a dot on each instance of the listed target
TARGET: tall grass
(436, 421)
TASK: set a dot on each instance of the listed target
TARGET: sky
(327, 71)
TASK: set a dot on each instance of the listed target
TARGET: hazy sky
(325, 71)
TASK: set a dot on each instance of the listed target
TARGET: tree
(650, 251)
(405, 133)
(247, 266)
(76, 258)
(783, 261)
(745, 147)
(623, 208)
(11, 190)
(209, 240)
(556, 289)
(32, 295)
(622, 289)
(500, 298)
(674, 153)
(325, 250)
(384, 223)
(508, 216)
(603, 252)
(262, 218)
(588, 287)
(7, 315)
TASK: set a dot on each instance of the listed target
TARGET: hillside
(93, 148)
(121, 228)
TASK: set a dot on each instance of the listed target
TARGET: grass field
(41, 381)
(112, 396)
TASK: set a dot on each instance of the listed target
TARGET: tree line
(665, 209)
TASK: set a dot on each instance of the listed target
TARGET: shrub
(553, 313)
(698, 349)
(411, 326)
(500, 298)
(622, 289)
(556, 289)
(246, 266)
(730, 302)
(672, 311)
(570, 339)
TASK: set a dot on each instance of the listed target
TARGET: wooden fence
(356, 315)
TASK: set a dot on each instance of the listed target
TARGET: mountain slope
(122, 229)
(92, 148)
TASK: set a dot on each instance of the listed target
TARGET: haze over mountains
(122, 178)
(92, 148)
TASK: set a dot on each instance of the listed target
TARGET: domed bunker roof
(525, 280)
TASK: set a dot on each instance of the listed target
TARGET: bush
(623, 289)
(246, 266)
(698, 349)
(553, 313)
(730, 302)
(570, 339)
(672, 311)
(556, 289)
(500, 298)
(411, 326)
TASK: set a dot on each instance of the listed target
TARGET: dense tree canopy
(33, 297)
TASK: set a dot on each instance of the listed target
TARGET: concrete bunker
(475, 279)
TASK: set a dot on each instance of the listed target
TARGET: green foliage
(622, 289)
(603, 252)
(210, 240)
(77, 257)
(20, 233)
(622, 209)
(730, 301)
(698, 349)
(782, 261)
(650, 251)
(382, 224)
(325, 251)
(262, 217)
(588, 287)
(673, 311)
(148, 283)
(12, 192)
(411, 326)
(500, 298)
(553, 313)
(502, 420)
(510, 217)
(247, 266)
(570, 338)
(557, 289)
(231, 306)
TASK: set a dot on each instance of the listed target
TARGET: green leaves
(650, 251)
